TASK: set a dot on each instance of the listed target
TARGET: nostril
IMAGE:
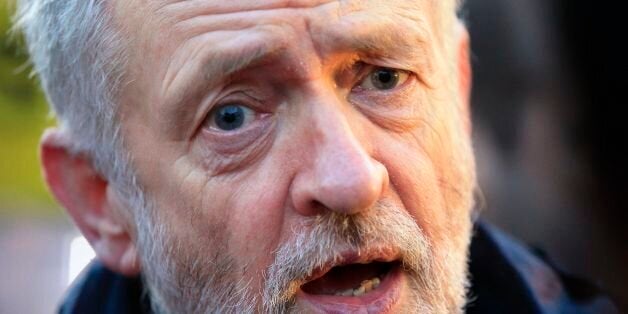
(317, 207)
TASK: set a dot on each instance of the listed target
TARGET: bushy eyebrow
(212, 66)
(408, 49)
(385, 41)
(228, 62)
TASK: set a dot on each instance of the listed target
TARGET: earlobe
(464, 74)
(88, 199)
(121, 238)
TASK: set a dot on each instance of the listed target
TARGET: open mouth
(357, 285)
(368, 281)
(352, 280)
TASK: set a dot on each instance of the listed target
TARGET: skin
(319, 139)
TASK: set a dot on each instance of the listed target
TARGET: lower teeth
(365, 287)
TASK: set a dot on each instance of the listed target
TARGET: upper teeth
(365, 287)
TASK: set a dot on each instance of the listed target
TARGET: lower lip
(381, 300)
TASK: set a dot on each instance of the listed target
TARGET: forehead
(225, 35)
(217, 7)
(169, 17)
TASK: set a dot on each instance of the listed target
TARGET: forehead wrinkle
(228, 63)
(226, 57)
(185, 9)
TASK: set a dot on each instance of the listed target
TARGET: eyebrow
(213, 67)
(408, 50)
(228, 62)
(383, 40)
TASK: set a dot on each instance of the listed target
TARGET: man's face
(298, 155)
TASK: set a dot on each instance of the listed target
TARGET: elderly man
(273, 156)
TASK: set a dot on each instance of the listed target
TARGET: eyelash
(363, 69)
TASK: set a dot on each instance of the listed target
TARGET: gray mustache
(321, 240)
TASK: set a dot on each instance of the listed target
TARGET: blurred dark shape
(549, 135)
(594, 40)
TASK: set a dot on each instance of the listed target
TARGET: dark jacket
(506, 277)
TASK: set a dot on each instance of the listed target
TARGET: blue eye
(230, 117)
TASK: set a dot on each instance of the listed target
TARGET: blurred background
(550, 139)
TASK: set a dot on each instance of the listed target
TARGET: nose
(339, 174)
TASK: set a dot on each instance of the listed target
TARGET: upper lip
(383, 254)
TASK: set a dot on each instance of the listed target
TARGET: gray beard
(191, 282)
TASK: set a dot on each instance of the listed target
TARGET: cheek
(431, 179)
(229, 216)
(415, 180)
(252, 206)
(256, 221)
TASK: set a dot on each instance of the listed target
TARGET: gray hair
(80, 60)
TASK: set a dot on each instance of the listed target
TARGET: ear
(464, 73)
(91, 202)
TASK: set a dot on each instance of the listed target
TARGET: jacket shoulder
(100, 290)
(529, 279)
